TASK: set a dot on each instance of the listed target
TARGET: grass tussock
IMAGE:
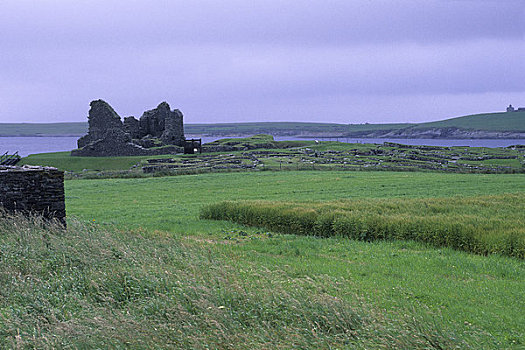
(87, 287)
(482, 225)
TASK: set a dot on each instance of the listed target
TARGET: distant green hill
(286, 128)
(43, 129)
(490, 122)
(506, 121)
(261, 128)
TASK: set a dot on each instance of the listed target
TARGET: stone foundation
(35, 190)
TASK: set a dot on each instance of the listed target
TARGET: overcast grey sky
(343, 61)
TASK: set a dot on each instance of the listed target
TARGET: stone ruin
(33, 190)
(158, 131)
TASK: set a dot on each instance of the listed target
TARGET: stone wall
(31, 189)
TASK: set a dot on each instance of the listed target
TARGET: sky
(340, 61)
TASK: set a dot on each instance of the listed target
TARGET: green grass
(390, 275)
(64, 161)
(173, 203)
(141, 267)
(482, 225)
(93, 288)
(258, 141)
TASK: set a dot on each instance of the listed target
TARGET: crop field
(139, 267)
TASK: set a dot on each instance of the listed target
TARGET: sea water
(30, 145)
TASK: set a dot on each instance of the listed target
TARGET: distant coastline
(33, 145)
(415, 136)
(43, 135)
(504, 125)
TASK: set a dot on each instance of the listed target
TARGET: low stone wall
(31, 189)
(108, 147)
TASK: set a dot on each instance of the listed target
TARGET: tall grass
(87, 287)
(482, 225)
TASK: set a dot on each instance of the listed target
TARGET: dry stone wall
(30, 189)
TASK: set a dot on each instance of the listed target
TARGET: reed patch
(482, 225)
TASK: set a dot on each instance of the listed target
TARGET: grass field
(154, 264)
(391, 275)
(64, 161)
(89, 287)
(173, 203)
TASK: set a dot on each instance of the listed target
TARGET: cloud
(227, 60)
(308, 22)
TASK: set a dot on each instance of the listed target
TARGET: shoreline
(303, 136)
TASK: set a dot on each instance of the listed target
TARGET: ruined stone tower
(109, 136)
